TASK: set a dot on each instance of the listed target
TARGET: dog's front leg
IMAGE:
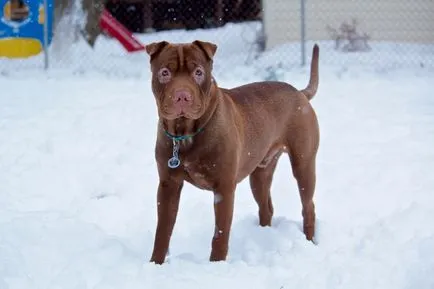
(223, 210)
(168, 196)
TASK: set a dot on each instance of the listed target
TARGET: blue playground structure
(22, 30)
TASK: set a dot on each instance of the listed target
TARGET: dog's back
(257, 91)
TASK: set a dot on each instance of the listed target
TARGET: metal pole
(263, 37)
(46, 60)
(303, 32)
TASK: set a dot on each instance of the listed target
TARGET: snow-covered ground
(78, 177)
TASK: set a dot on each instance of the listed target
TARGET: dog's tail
(312, 87)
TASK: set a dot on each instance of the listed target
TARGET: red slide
(115, 29)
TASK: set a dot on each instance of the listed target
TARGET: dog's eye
(164, 75)
(199, 75)
(164, 72)
(198, 72)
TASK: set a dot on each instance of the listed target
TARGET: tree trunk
(93, 9)
(60, 8)
(219, 14)
(148, 17)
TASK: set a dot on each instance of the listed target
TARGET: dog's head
(181, 77)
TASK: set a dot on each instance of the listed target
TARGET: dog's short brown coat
(238, 132)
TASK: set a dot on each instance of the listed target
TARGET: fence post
(303, 32)
(46, 60)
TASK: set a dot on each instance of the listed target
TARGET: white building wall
(383, 20)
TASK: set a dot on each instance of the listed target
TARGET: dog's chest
(200, 175)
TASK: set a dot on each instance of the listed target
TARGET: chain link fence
(370, 32)
(250, 34)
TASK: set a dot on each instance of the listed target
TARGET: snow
(78, 177)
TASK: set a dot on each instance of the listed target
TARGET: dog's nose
(182, 97)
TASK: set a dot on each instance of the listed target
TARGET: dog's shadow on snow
(254, 244)
(250, 243)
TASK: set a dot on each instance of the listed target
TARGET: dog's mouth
(173, 113)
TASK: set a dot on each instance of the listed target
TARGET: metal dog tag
(174, 161)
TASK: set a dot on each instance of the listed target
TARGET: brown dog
(214, 138)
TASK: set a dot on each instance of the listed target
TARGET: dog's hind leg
(304, 172)
(303, 144)
(260, 183)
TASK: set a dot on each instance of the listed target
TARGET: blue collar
(174, 161)
(182, 137)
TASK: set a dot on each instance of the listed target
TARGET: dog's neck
(187, 129)
(181, 127)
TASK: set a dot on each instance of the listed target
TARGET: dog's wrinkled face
(181, 77)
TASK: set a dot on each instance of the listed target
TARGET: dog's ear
(207, 47)
(154, 48)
